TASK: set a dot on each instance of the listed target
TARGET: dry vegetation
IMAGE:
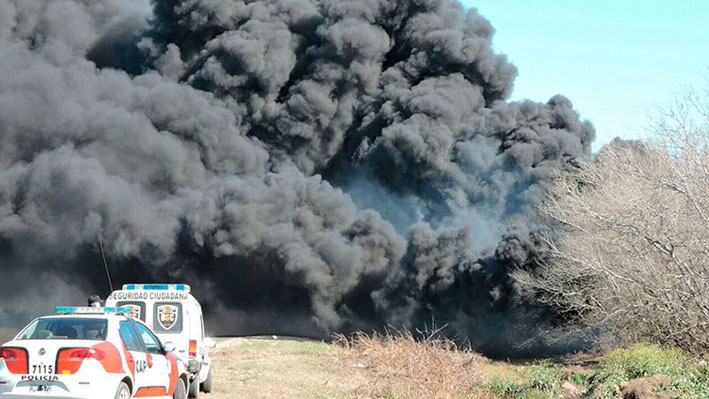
(401, 366)
(630, 236)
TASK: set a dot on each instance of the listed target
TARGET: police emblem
(134, 311)
(167, 316)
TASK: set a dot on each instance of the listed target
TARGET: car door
(158, 370)
(135, 352)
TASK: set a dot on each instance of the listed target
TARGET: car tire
(207, 384)
(123, 391)
(180, 390)
(194, 388)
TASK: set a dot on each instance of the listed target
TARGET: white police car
(90, 353)
(174, 315)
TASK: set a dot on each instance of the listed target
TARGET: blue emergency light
(157, 287)
(89, 310)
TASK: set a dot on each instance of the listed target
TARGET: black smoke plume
(308, 166)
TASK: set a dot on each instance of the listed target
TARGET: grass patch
(285, 346)
(545, 377)
(690, 378)
(539, 379)
(506, 385)
(265, 368)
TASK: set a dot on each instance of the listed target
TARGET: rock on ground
(646, 387)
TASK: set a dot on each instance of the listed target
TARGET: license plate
(42, 369)
(40, 388)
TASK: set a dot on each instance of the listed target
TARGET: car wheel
(123, 391)
(207, 384)
(180, 390)
(194, 388)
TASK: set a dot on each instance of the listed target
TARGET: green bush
(690, 377)
(579, 380)
(545, 377)
(534, 394)
(540, 380)
(505, 386)
(643, 360)
(695, 381)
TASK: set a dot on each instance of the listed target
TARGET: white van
(175, 316)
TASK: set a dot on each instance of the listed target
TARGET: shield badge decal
(134, 311)
(167, 316)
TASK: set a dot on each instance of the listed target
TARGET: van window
(167, 317)
(137, 309)
(129, 337)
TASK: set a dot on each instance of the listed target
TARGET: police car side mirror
(168, 347)
(210, 343)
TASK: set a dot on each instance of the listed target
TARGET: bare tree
(629, 247)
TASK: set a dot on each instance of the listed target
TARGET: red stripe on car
(112, 362)
(173, 373)
(129, 359)
(147, 392)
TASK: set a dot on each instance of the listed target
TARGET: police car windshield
(66, 328)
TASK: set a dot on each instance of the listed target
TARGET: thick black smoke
(307, 165)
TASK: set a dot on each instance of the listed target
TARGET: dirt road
(262, 367)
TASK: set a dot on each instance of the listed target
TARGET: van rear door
(137, 309)
(170, 325)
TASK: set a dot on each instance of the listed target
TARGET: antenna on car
(105, 264)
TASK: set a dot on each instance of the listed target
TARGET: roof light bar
(157, 287)
(89, 310)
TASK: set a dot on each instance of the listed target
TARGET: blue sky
(615, 60)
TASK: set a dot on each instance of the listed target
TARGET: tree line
(628, 244)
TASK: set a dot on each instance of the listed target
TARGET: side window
(152, 343)
(28, 332)
(130, 339)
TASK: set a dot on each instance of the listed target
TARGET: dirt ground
(267, 368)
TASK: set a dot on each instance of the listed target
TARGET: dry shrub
(629, 238)
(405, 366)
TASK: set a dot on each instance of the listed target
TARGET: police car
(174, 315)
(90, 353)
